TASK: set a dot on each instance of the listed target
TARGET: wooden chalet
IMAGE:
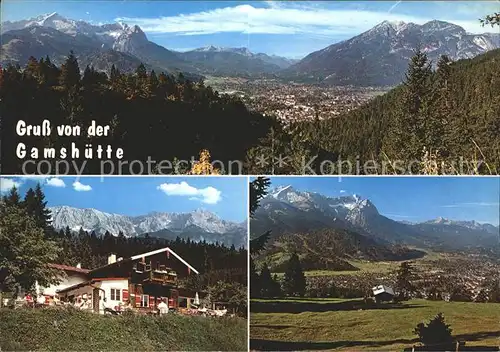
(141, 282)
(383, 293)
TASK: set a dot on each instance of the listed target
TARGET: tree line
(160, 116)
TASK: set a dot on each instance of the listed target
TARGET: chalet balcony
(160, 277)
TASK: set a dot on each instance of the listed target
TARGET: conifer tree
(404, 280)
(30, 202)
(294, 281)
(42, 213)
(12, 198)
(255, 286)
(435, 332)
(24, 251)
(32, 68)
(269, 287)
(258, 190)
(266, 281)
(153, 80)
(70, 72)
(141, 72)
(408, 132)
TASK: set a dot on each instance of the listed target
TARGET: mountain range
(288, 211)
(377, 57)
(197, 225)
(380, 56)
(125, 46)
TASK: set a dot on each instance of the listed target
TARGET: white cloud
(343, 191)
(471, 204)
(400, 216)
(6, 184)
(283, 18)
(208, 195)
(34, 177)
(80, 187)
(55, 182)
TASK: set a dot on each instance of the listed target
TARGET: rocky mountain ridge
(198, 225)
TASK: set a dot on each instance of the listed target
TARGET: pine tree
(88, 77)
(266, 282)
(141, 72)
(24, 252)
(404, 278)
(408, 132)
(255, 286)
(258, 190)
(269, 286)
(153, 80)
(41, 212)
(12, 198)
(294, 281)
(32, 68)
(70, 72)
(67, 232)
(49, 73)
(443, 111)
(276, 289)
(30, 202)
(435, 332)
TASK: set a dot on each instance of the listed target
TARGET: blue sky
(413, 198)
(225, 196)
(291, 29)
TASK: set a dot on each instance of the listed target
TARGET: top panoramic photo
(265, 87)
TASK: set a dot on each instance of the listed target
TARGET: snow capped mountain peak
(90, 219)
(389, 26)
(278, 190)
(211, 48)
(440, 220)
(242, 51)
(118, 35)
(218, 49)
(397, 25)
(436, 25)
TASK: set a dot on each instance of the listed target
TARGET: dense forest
(443, 120)
(26, 232)
(150, 115)
(438, 121)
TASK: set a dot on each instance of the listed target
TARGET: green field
(72, 330)
(372, 267)
(328, 324)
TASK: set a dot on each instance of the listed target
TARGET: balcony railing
(163, 277)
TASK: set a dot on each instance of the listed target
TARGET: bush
(435, 332)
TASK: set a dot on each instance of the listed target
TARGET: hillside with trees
(150, 115)
(436, 118)
(331, 249)
(438, 121)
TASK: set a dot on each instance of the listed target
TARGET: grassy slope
(56, 329)
(315, 324)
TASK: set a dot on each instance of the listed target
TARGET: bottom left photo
(124, 263)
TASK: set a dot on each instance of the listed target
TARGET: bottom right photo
(375, 263)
